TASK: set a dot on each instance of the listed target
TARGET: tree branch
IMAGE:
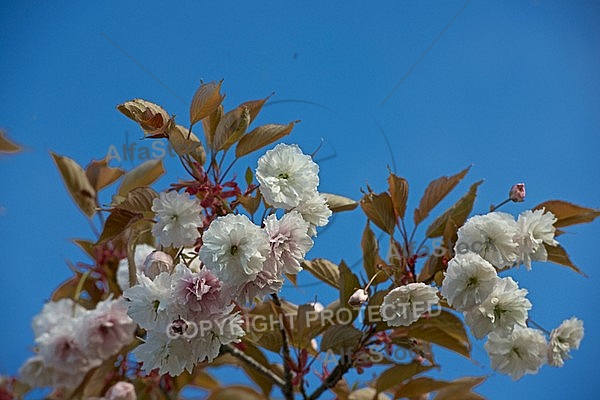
(227, 348)
(288, 389)
(338, 372)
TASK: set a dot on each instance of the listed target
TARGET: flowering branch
(227, 348)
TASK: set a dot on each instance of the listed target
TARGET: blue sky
(512, 88)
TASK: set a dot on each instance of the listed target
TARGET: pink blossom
(517, 193)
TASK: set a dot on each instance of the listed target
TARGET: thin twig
(288, 389)
(240, 355)
(338, 372)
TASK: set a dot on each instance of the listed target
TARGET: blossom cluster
(496, 307)
(71, 340)
(237, 262)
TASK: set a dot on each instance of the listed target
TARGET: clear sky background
(511, 87)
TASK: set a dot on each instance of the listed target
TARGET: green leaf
(435, 192)
(249, 175)
(348, 285)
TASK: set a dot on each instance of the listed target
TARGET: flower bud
(359, 297)
(517, 193)
(121, 391)
(157, 262)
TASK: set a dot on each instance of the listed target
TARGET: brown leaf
(205, 101)
(568, 213)
(139, 200)
(340, 338)
(117, 222)
(398, 373)
(423, 385)
(380, 210)
(143, 175)
(250, 203)
(87, 246)
(77, 183)
(432, 265)
(262, 136)
(558, 255)
(255, 106)
(324, 270)
(371, 257)
(461, 389)
(210, 123)
(348, 285)
(186, 143)
(458, 213)
(398, 188)
(444, 329)
(101, 175)
(153, 119)
(235, 392)
(435, 192)
(7, 145)
(231, 128)
(338, 203)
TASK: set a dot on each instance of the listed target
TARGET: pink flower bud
(517, 193)
(157, 262)
(121, 391)
(358, 298)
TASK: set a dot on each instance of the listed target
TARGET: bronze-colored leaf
(210, 123)
(87, 246)
(435, 192)
(250, 203)
(399, 373)
(324, 270)
(186, 143)
(424, 385)
(7, 145)
(77, 183)
(340, 339)
(262, 136)
(380, 210)
(205, 101)
(558, 255)
(255, 106)
(101, 175)
(461, 389)
(117, 222)
(348, 285)
(231, 128)
(139, 200)
(458, 213)
(371, 257)
(143, 175)
(153, 119)
(432, 265)
(264, 383)
(568, 213)
(398, 188)
(338, 203)
(235, 392)
(444, 329)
